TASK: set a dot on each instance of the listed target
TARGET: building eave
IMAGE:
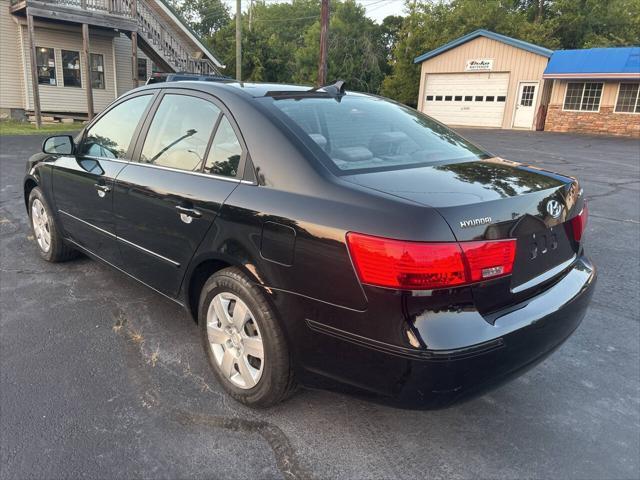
(513, 42)
(593, 76)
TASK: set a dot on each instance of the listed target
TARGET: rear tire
(46, 231)
(243, 341)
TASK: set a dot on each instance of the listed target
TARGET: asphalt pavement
(102, 378)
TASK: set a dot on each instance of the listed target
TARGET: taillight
(579, 223)
(425, 266)
(489, 259)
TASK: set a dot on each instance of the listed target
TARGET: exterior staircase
(159, 42)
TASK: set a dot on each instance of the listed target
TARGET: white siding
(11, 68)
(122, 53)
(58, 98)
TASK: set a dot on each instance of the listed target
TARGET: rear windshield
(362, 133)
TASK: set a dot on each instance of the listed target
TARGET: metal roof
(529, 47)
(622, 62)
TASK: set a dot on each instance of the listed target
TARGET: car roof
(248, 89)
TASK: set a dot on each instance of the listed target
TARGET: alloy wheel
(235, 340)
(41, 226)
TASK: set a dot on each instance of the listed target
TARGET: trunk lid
(495, 199)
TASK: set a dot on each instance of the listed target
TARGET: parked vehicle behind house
(322, 237)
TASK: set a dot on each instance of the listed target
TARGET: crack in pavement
(286, 457)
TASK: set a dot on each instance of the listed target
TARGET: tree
(355, 55)
(205, 17)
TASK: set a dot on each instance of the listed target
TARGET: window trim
(55, 68)
(64, 83)
(615, 103)
(146, 124)
(584, 87)
(103, 72)
(146, 69)
(82, 136)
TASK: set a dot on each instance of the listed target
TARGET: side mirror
(59, 145)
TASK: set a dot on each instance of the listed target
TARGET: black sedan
(322, 237)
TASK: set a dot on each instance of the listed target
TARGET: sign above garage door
(479, 64)
(470, 99)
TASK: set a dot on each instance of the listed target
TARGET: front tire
(243, 341)
(46, 231)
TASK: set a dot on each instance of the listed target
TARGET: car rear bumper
(456, 353)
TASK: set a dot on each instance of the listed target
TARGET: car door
(167, 200)
(83, 183)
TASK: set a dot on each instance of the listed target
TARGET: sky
(376, 9)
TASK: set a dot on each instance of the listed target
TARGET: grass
(13, 127)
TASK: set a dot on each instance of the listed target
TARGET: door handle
(102, 190)
(188, 212)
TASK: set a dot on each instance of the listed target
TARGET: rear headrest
(321, 140)
(353, 154)
(387, 143)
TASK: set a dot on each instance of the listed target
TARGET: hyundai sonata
(322, 237)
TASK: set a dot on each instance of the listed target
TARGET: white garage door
(472, 99)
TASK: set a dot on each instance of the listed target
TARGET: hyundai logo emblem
(554, 208)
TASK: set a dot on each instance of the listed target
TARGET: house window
(97, 70)
(448, 98)
(479, 98)
(429, 98)
(501, 98)
(142, 69)
(458, 98)
(583, 96)
(490, 98)
(628, 98)
(46, 64)
(71, 68)
(468, 98)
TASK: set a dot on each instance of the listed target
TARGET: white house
(73, 57)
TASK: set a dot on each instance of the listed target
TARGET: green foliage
(205, 17)
(280, 41)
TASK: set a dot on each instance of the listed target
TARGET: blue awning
(600, 63)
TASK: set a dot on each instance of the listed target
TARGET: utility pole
(238, 41)
(324, 41)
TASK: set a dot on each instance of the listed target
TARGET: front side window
(368, 133)
(71, 68)
(142, 69)
(180, 132)
(46, 65)
(97, 70)
(226, 151)
(628, 98)
(111, 135)
(583, 96)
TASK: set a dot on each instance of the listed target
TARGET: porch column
(134, 58)
(34, 70)
(134, 45)
(87, 69)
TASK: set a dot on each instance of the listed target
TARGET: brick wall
(604, 122)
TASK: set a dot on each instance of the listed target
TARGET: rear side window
(111, 135)
(369, 133)
(224, 156)
(180, 132)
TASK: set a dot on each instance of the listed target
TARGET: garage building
(485, 79)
